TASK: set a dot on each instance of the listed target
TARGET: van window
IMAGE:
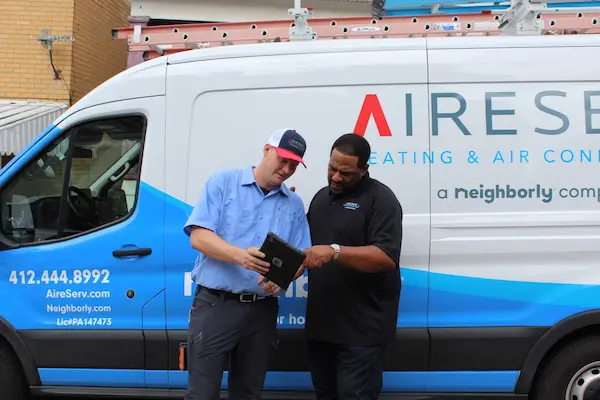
(84, 180)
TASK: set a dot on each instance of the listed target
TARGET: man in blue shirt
(233, 317)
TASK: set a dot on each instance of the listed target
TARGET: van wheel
(13, 385)
(571, 373)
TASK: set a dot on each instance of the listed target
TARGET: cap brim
(289, 155)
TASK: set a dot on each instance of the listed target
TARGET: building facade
(53, 54)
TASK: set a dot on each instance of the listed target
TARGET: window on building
(85, 180)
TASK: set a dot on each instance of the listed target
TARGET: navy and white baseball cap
(289, 144)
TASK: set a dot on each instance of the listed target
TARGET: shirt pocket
(237, 224)
(285, 223)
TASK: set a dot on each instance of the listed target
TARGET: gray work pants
(228, 334)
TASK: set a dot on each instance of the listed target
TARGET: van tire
(563, 364)
(13, 385)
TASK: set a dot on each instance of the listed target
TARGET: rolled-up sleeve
(207, 210)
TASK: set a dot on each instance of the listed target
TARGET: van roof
(332, 46)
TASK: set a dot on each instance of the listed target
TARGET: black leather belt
(241, 297)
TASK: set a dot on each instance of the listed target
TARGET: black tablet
(284, 260)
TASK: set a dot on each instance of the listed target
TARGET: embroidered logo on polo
(351, 205)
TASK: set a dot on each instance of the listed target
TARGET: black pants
(227, 334)
(346, 372)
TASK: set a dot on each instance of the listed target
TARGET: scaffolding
(522, 17)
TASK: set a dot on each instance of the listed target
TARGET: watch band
(336, 250)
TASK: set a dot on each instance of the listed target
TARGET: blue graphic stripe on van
(560, 294)
(467, 301)
(434, 381)
(458, 301)
(92, 377)
(444, 300)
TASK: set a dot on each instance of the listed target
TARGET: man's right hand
(251, 259)
(299, 272)
(318, 255)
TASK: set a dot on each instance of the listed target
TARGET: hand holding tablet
(284, 260)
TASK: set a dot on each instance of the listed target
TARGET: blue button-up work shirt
(235, 208)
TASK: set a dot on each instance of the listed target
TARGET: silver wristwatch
(336, 250)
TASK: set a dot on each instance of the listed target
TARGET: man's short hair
(351, 144)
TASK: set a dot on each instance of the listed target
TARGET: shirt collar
(285, 190)
(248, 179)
(248, 176)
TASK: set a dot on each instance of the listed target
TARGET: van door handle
(144, 251)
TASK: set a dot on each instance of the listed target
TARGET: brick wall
(25, 69)
(96, 56)
(26, 72)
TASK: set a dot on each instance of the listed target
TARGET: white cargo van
(491, 144)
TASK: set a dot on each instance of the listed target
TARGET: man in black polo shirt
(354, 275)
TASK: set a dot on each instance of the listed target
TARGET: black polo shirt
(346, 306)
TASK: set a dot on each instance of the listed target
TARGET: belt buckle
(244, 296)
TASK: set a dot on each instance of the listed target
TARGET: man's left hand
(316, 256)
(269, 287)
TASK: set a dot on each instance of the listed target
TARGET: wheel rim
(585, 383)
